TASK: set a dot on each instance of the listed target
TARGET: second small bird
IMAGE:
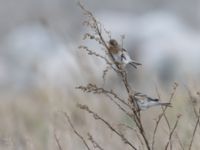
(120, 55)
(144, 102)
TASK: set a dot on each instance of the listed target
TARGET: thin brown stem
(120, 107)
(98, 90)
(193, 102)
(172, 131)
(135, 108)
(195, 129)
(94, 143)
(76, 132)
(97, 117)
(161, 115)
(57, 141)
(180, 143)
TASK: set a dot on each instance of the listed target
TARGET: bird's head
(113, 42)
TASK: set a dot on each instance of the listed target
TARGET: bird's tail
(166, 104)
(135, 64)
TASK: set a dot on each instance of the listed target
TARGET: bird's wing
(153, 99)
(127, 59)
(140, 96)
(135, 63)
(124, 50)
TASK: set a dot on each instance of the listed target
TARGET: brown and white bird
(120, 55)
(144, 102)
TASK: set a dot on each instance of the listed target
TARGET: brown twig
(172, 131)
(94, 143)
(135, 109)
(166, 119)
(91, 52)
(105, 72)
(93, 88)
(120, 107)
(179, 141)
(161, 115)
(76, 132)
(57, 141)
(193, 102)
(139, 138)
(97, 90)
(96, 27)
(136, 132)
(195, 129)
(97, 117)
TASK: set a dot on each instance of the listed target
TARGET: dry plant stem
(195, 129)
(57, 141)
(144, 137)
(192, 102)
(95, 27)
(72, 126)
(120, 107)
(97, 117)
(179, 141)
(97, 30)
(134, 109)
(138, 135)
(97, 90)
(159, 97)
(172, 131)
(166, 119)
(95, 144)
(161, 115)
(91, 52)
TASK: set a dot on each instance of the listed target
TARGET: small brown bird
(120, 55)
(144, 102)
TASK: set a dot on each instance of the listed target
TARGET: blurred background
(40, 66)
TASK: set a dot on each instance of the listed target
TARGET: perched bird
(144, 102)
(120, 55)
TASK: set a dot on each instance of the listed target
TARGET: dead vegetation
(127, 106)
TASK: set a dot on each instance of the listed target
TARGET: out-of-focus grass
(29, 120)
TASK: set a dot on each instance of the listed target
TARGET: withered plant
(128, 106)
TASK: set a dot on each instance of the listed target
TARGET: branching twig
(195, 129)
(172, 131)
(166, 119)
(95, 144)
(57, 141)
(120, 107)
(179, 141)
(193, 102)
(91, 52)
(97, 117)
(97, 90)
(76, 132)
(163, 114)
(136, 132)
